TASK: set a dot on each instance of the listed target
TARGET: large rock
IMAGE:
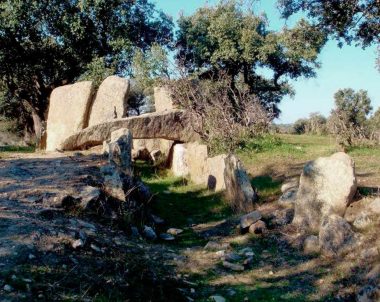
(111, 101)
(171, 125)
(215, 172)
(196, 158)
(143, 148)
(68, 112)
(327, 186)
(239, 191)
(179, 164)
(162, 99)
(120, 148)
(335, 236)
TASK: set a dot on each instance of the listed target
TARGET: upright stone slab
(111, 101)
(147, 146)
(196, 158)
(179, 161)
(239, 191)
(327, 186)
(120, 148)
(68, 112)
(162, 99)
(215, 172)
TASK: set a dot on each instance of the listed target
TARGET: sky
(347, 67)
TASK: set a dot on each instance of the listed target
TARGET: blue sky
(345, 67)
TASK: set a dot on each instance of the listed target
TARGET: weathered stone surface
(111, 101)
(259, 227)
(197, 155)
(171, 125)
(239, 191)
(327, 186)
(143, 148)
(162, 99)
(291, 184)
(311, 245)
(68, 112)
(335, 235)
(120, 148)
(247, 220)
(115, 184)
(179, 166)
(215, 172)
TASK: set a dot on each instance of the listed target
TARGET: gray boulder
(247, 220)
(119, 150)
(327, 186)
(336, 236)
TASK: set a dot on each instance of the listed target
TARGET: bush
(224, 117)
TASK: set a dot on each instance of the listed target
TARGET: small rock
(174, 231)
(214, 246)
(95, 248)
(88, 195)
(217, 298)
(8, 288)
(31, 257)
(232, 257)
(311, 245)
(247, 220)
(167, 237)
(135, 232)
(157, 220)
(220, 253)
(149, 233)
(77, 243)
(363, 221)
(192, 290)
(259, 227)
(288, 197)
(233, 266)
(247, 251)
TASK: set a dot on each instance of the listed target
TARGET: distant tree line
(350, 121)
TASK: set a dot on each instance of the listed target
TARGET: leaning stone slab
(239, 191)
(111, 101)
(68, 112)
(172, 125)
(215, 173)
(327, 186)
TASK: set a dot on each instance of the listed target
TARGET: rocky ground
(51, 253)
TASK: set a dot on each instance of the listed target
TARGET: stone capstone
(111, 101)
(171, 125)
(327, 186)
(68, 112)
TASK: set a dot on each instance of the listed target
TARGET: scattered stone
(335, 235)
(95, 248)
(247, 220)
(311, 245)
(327, 186)
(31, 257)
(77, 243)
(232, 257)
(239, 191)
(149, 233)
(281, 217)
(167, 237)
(259, 227)
(220, 253)
(88, 195)
(8, 288)
(217, 298)
(215, 246)
(157, 220)
(233, 266)
(174, 231)
(289, 197)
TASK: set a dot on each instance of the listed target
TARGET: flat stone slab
(171, 125)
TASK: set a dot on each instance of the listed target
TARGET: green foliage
(45, 44)
(348, 20)
(150, 66)
(315, 124)
(229, 37)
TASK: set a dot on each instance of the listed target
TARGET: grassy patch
(21, 149)
(267, 187)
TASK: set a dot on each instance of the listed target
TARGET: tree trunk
(38, 126)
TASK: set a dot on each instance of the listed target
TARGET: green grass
(20, 149)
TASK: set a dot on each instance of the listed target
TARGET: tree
(230, 38)
(346, 20)
(45, 44)
(348, 121)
